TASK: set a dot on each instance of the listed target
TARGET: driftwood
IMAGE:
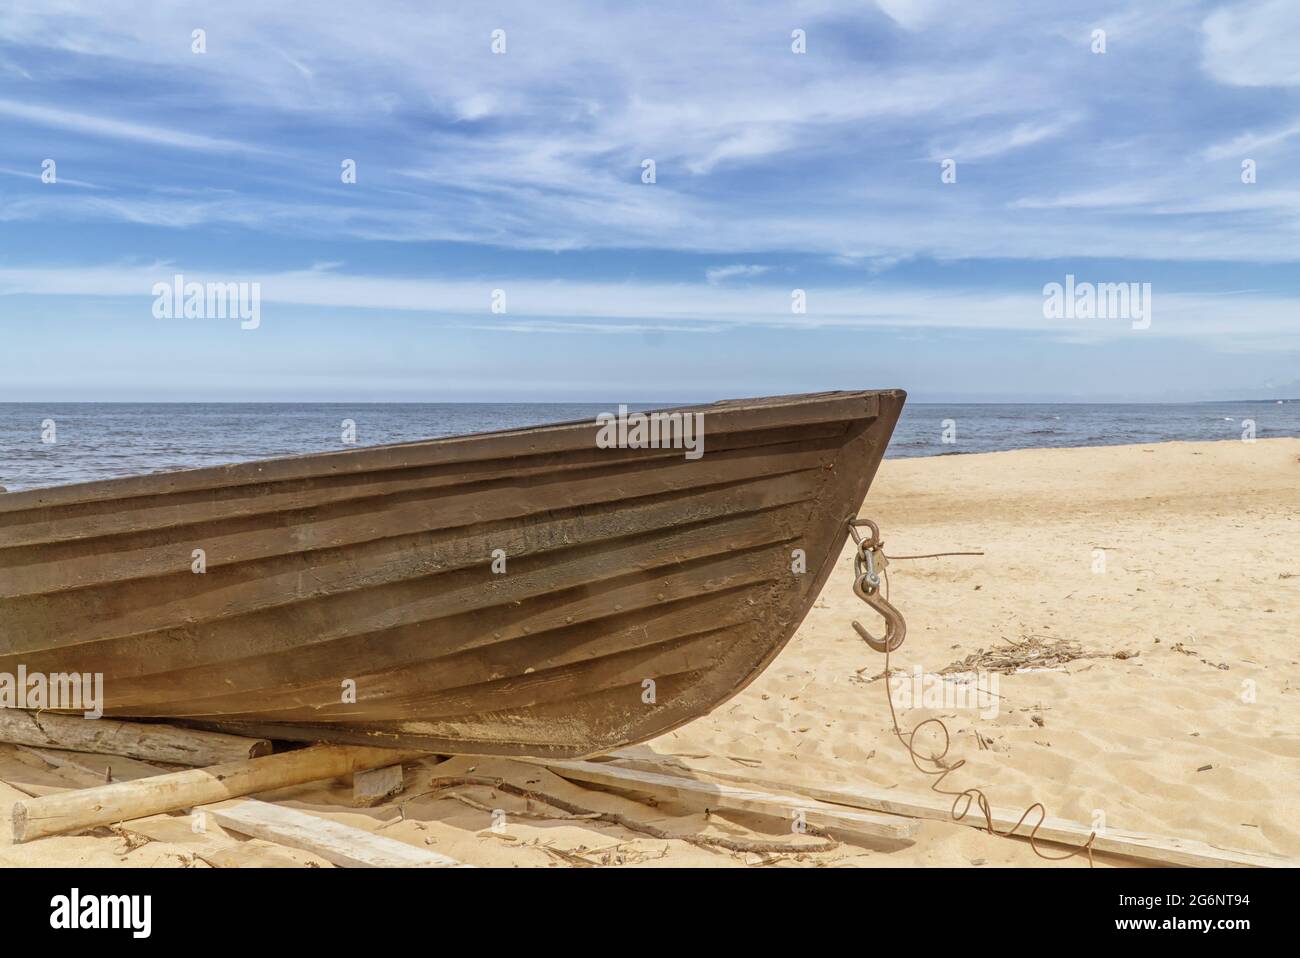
(577, 812)
(210, 845)
(1150, 848)
(124, 801)
(375, 786)
(339, 844)
(155, 743)
(837, 821)
(217, 849)
(87, 769)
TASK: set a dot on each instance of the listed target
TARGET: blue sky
(522, 171)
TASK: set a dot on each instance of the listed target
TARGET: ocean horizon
(47, 444)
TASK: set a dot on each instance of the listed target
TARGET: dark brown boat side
(373, 566)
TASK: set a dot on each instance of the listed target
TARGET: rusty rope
(933, 555)
(964, 799)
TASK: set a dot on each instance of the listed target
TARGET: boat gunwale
(361, 459)
(440, 485)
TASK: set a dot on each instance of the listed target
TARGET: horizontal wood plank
(836, 820)
(339, 844)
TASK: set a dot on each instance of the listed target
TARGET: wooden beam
(217, 848)
(339, 844)
(209, 844)
(836, 820)
(1145, 847)
(375, 786)
(124, 801)
(87, 770)
(157, 743)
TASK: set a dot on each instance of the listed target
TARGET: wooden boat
(640, 588)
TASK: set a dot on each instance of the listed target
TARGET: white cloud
(1242, 146)
(910, 14)
(719, 274)
(564, 306)
(984, 144)
(476, 107)
(1103, 198)
(28, 175)
(759, 150)
(1254, 44)
(119, 129)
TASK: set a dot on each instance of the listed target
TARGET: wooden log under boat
(372, 569)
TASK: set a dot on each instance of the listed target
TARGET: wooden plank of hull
(374, 565)
(434, 537)
(399, 599)
(392, 673)
(739, 415)
(66, 531)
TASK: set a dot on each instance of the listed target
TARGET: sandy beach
(1171, 571)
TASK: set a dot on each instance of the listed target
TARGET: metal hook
(855, 524)
(866, 585)
(895, 626)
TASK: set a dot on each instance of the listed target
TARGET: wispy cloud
(757, 147)
(990, 143)
(542, 305)
(719, 274)
(100, 126)
(523, 170)
(1254, 43)
(1243, 145)
(29, 175)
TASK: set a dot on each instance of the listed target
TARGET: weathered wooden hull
(373, 568)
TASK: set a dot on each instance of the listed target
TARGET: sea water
(45, 444)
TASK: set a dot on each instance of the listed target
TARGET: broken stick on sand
(150, 742)
(124, 801)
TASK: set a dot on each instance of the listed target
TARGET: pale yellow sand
(1202, 547)
(1202, 552)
